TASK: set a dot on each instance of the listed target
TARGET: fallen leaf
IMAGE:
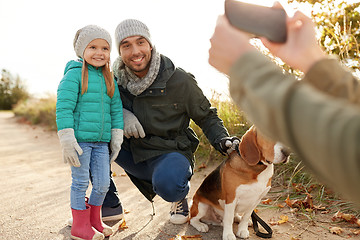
(336, 230)
(194, 237)
(288, 201)
(266, 201)
(306, 203)
(123, 226)
(284, 219)
(272, 221)
(184, 237)
(355, 231)
(347, 217)
(202, 166)
(281, 205)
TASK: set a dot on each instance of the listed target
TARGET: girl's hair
(109, 81)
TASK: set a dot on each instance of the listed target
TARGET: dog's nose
(286, 151)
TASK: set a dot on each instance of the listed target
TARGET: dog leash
(256, 219)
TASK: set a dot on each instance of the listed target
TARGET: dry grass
(291, 179)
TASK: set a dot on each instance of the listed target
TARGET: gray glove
(70, 147)
(228, 144)
(132, 126)
(115, 143)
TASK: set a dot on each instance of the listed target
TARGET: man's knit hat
(131, 27)
(86, 34)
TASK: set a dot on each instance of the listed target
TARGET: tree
(338, 25)
(12, 90)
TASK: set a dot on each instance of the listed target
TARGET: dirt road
(35, 190)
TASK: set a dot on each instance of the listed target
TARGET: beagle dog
(237, 185)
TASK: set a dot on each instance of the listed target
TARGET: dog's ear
(248, 148)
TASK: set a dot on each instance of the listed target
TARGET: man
(159, 100)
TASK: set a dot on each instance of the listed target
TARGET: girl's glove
(115, 143)
(70, 147)
(132, 126)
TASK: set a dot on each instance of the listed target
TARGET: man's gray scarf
(128, 80)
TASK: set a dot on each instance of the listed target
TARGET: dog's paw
(243, 233)
(229, 236)
(201, 227)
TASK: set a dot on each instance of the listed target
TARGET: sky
(36, 36)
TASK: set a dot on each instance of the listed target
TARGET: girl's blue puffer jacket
(93, 114)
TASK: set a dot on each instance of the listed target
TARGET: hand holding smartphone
(258, 20)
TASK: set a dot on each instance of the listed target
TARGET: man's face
(135, 52)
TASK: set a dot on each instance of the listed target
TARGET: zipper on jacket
(102, 105)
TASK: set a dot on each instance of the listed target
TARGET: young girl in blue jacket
(89, 117)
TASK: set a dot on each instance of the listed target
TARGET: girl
(88, 117)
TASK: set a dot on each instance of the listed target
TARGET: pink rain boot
(81, 228)
(97, 223)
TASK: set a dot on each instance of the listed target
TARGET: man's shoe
(112, 213)
(179, 213)
(108, 214)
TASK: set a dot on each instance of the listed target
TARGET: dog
(233, 190)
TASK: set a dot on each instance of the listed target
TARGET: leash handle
(256, 219)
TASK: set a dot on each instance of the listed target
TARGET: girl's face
(97, 52)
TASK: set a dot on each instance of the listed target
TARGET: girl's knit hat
(131, 27)
(86, 34)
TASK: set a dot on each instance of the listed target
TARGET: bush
(12, 90)
(38, 111)
(234, 120)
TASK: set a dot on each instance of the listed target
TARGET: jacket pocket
(164, 119)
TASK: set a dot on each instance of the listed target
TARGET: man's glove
(228, 144)
(70, 147)
(115, 143)
(132, 126)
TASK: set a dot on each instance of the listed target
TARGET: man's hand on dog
(228, 144)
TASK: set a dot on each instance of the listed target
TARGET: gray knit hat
(131, 27)
(86, 34)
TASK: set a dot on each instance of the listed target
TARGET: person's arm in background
(322, 130)
(331, 78)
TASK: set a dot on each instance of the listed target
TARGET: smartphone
(260, 21)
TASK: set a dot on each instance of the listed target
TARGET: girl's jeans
(169, 174)
(95, 158)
